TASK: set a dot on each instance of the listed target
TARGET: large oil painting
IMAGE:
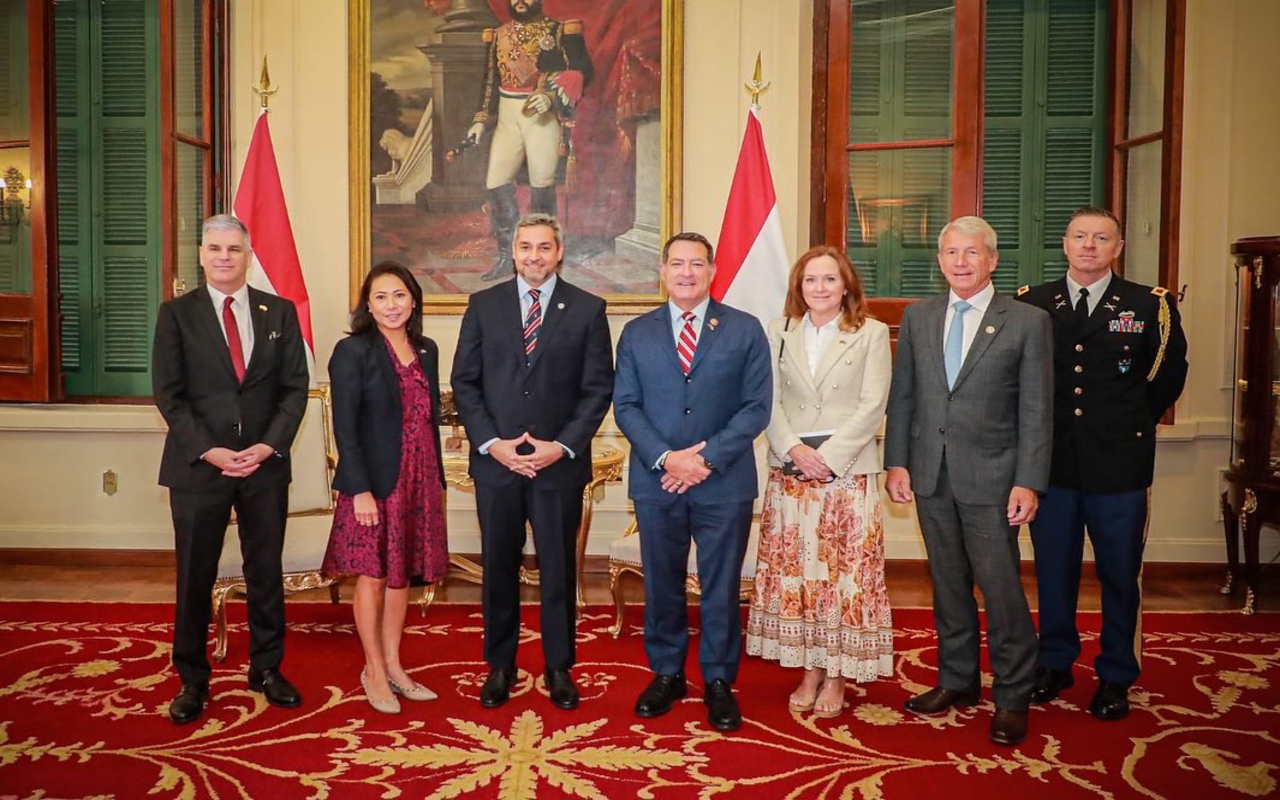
(467, 114)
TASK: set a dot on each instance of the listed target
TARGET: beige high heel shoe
(414, 691)
(391, 706)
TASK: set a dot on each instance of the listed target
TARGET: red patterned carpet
(84, 688)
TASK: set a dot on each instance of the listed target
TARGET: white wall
(52, 458)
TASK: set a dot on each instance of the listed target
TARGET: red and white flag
(260, 206)
(751, 257)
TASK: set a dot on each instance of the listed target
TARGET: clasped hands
(1021, 509)
(810, 463)
(684, 469)
(239, 464)
(527, 464)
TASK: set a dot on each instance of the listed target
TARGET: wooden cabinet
(1252, 496)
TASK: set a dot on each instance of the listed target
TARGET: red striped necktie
(233, 338)
(688, 344)
(532, 321)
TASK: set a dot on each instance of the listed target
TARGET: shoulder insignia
(1159, 291)
(1024, 290)
(487, 35)
(573, 26)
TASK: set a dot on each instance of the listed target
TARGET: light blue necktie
(953, 357)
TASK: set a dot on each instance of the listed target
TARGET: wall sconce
(15, 210)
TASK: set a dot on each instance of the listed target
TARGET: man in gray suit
(968, 437)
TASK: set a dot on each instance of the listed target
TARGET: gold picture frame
(362, 14)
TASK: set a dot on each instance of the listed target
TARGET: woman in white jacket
(820, 600)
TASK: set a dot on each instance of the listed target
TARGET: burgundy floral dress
(410, 539)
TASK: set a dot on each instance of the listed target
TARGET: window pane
(1142, 215)
(900, 66)
(898, 201)
(15, 112)
(191, 212)
(188, 60)
(1146, 67)
(15, 221)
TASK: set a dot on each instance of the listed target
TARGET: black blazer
(368, 418)
(560, 393)
(196, 390)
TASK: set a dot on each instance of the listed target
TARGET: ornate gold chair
(310, 517)
(624, 559)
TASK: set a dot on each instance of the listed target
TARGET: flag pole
(756, 88)
(264, 89)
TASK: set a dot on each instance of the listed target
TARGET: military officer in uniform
(1120, 362)
(537, 69)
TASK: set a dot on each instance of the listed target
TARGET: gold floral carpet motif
(84, 690)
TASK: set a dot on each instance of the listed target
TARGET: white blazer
(848, 394)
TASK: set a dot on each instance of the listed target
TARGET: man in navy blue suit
(692, 392)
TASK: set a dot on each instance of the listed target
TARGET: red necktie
(233, 338)
(532, 321)
(688, 344)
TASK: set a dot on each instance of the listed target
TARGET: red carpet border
(84, 690)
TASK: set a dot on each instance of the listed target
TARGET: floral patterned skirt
(820, 599)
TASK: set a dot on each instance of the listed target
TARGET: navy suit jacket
(725, 400)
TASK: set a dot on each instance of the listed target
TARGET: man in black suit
(230, 378)
(532, 380)
(1120, 362)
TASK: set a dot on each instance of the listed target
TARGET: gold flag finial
(757, 87)
(264, 89)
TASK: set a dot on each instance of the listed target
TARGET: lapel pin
(560, 306)
(1061, 304)
(274, 335)
(713, 322)
(1115, 297)
(1108, 306)
(991, 329)
(261, 307)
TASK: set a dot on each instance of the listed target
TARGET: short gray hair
(970, 226)
(225, 222)
(539, 219)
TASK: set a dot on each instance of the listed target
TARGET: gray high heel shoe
(391, 706)
(414, 691)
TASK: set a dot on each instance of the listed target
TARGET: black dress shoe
(937, 700)
(1049, 683)
(1008, 727)
(722, 709)
(189, 704)
(661, 693)
(1110, 702)
(497, 687)
(560, 686)
(275, 686)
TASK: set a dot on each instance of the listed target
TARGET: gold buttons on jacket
(1079, 412)
(1079, 348)
(1079, 390)
(1079, 368)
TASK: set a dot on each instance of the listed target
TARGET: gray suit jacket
(996, 424)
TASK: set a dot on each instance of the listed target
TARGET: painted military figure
(537, 69)
(1120, 362)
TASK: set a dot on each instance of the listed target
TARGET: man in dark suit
(968, 438)
(694, 390)
(230, 378)
(1120, 362)
(532, 378)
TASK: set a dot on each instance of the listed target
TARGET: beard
(533, 10)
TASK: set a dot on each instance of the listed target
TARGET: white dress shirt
(677, 322)
(240, 308)
(972, 317)
(1096, 291)
(817, 339)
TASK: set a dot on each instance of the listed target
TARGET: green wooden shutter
(1044, 147)
(108, 192)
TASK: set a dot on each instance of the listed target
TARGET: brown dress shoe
(937, 700)
(1008, 727)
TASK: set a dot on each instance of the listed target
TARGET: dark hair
(1094, 211)
(854, 302)
(688, 236)
(362, 321)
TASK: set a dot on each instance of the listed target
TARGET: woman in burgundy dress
(389, 525)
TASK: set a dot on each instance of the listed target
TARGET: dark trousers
(1117, 524)
(975, 542)
(721, 532)
(199, 526)
(554, 516)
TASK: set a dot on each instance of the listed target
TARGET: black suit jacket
(1113, 380)
(368, 417)
(196, 390)
(560, 393)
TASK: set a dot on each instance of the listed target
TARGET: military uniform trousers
(520, 139)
